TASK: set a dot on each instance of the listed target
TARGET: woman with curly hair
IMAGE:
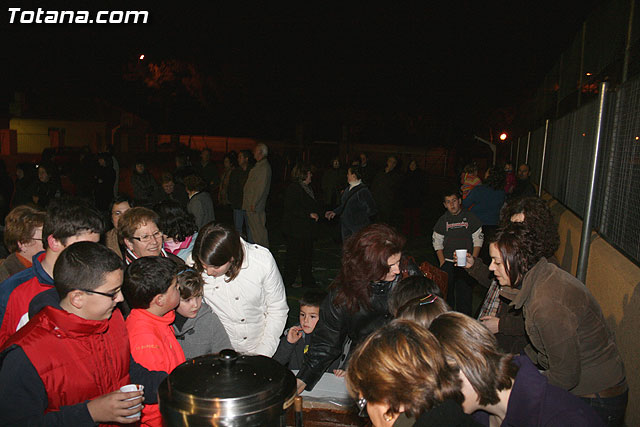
(178, 226)
(568, 335)
(401, 368)
(357, 304)
(500, 388)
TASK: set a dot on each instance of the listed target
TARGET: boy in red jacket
(153, 294)
(66, 365)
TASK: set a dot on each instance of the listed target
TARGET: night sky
(395, 74)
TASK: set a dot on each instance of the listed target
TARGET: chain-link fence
(606, 48)
(569, 152)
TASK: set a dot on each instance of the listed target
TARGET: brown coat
(10, 266)
(567, 330)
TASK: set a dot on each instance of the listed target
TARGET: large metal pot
(227, 390)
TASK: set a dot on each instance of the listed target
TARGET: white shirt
(253, 306)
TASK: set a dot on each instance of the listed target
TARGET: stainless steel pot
(227, 390)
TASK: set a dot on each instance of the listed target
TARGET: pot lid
(228, 384)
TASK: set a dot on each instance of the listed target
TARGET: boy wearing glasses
(66, 366)
(67, 221)
(151, 289)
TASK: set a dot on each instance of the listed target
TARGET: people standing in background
(144, 186)
(208, 171)
(356, 205)
(26, 177)
(230, 163)
(183, 168)
(385, 191)
(367, 170)
(412, 194)
(200, 203)
(22, 238)
(524, 187)
(235, 193)
(172, 190)
(485, 201)
(256, 191)
(47, 187)
(299, 224)
(510, 178)
(119, 205)
(469, 179)
(105, 177)
(332, 184)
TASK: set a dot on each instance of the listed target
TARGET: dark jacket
(385, 192)
(569, 336)
(356, 209)
(336, 323)
(235, 188)
(298, 205)
(535, 402)
(485, 202)
(524, 188)
(201, 207)
(292, 355)
(413, 189)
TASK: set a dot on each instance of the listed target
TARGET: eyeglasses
(362, 407)
(112, 295)
(147, 237)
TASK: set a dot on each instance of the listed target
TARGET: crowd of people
(87, 308)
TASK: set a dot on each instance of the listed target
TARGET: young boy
(456, 229)
(152, 292)
(197, 328)
(295, 342)
(66, 365)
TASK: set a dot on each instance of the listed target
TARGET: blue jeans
(610, 409)
(240, 219)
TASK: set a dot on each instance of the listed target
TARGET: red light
(141, 57)
(503, 136)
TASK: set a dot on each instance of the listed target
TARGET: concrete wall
(614, 281)
(33, 134)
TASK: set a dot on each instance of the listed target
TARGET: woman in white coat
(243, 287)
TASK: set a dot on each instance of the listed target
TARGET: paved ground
(327, 251)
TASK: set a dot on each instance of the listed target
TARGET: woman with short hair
(357, 304)
(243, 286)
(22, 238)
(401, 368)
(504, 389)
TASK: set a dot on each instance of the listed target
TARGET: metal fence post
(585, 240)
(518, 153)
(526, 157)
(544, 154)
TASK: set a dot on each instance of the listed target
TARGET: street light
(503, 136)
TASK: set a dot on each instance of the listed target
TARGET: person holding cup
(66, 366)
(457, 230)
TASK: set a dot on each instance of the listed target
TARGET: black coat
(336, 323)
(298, 205)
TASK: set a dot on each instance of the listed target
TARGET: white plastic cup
(128, 388)
(461, 254)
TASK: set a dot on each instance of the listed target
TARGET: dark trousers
(459, 291)
(411, 222)
(299, 255)
(610, 409)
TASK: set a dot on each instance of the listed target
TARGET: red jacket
(154, 346)
(76, 359)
